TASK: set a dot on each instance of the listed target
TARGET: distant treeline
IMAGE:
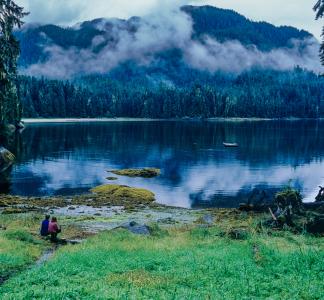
(265, 94)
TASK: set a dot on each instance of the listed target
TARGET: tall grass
(20, 245)
(180, 264)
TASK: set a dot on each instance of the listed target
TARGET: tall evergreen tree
(10, 16)
(319, 8)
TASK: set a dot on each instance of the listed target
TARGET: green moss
(112, 178)
(145, 173)
(110, 195)
(124, 195)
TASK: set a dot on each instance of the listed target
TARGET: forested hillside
(228, 66)
(254, 94)
(224, 24)
(220, 24)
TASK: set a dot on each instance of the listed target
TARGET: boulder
(6, 159)
(20, 125)
(208, 219)
(136, 228)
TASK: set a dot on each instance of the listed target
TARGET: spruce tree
(319, 8)
(10, 17)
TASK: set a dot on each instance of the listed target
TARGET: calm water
(65, 159)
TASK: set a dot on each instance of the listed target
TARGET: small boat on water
(230, 145)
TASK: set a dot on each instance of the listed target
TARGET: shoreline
(84, 120)
(103, 120)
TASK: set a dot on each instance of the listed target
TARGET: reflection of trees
(133, 143)
(173, 146)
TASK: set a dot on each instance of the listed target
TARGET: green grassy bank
(20, 245)
(190, 262)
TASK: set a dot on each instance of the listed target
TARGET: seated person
(44, 226)
(53, 229)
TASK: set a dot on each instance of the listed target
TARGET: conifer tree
(319, 8)
(10, 17)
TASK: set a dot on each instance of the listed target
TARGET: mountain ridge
(220, 24)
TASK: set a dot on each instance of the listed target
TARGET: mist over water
(197, 171)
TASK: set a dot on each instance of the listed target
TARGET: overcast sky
(297, 13)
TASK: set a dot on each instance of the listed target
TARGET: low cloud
(232, 56)
(165, 29)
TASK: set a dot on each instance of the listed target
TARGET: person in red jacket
(54, 229)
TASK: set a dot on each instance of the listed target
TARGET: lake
(197, 170)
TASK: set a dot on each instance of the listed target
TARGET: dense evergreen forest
(256, 93)
(167, 87)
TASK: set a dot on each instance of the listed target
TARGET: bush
(289, 197)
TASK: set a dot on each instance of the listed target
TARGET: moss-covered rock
(124, 195)
(145, 173)
(6, 159)
(112, 178)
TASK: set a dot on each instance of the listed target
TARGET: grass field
(20, 245)
(179, 263)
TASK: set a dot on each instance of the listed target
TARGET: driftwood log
(287, 209)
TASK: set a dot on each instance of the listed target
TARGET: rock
(122, 194)
(112, 178)
(74, 242)
(20, 125)
(167, 221)
(136, 228)
(208, 219)
(145, 173)
(6, 159)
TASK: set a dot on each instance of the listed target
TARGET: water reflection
(196, 169)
